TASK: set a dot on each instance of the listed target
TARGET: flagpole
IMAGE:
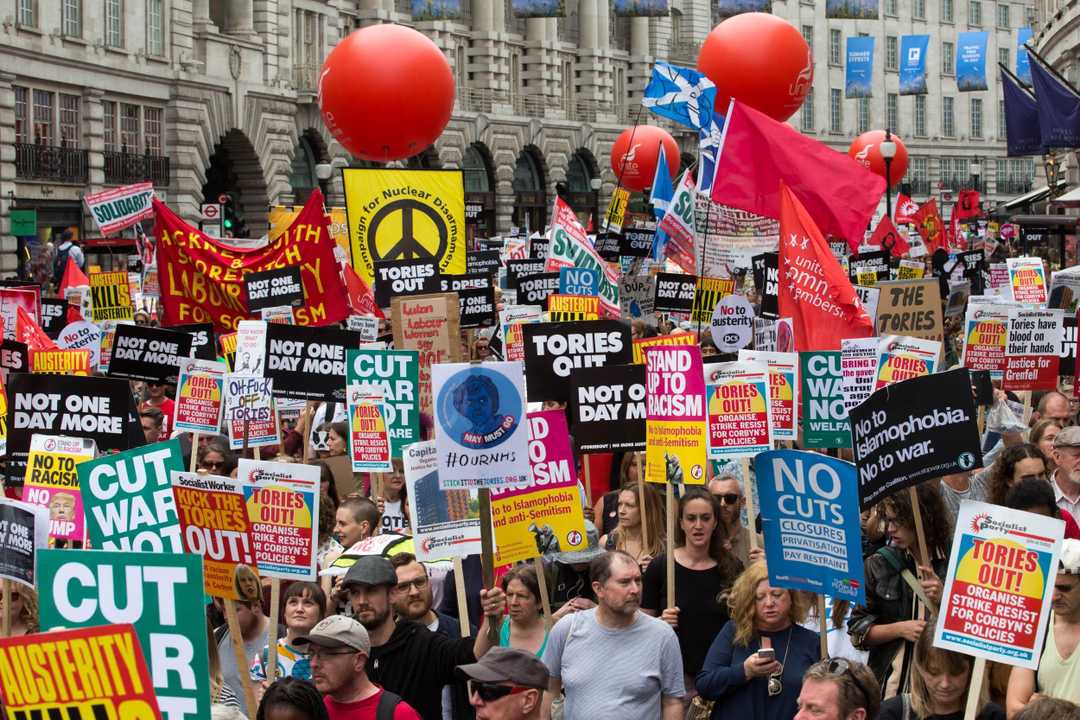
(1053, 72)
(1018, 81)
(622, 168)
(704, 245)
(1051, 183)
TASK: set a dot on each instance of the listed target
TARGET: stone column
(481, 15)
(639, 36)
(9, 246)
(94, 136)
(536, 30)
(588, 21)
(498, 15)
(239, 17)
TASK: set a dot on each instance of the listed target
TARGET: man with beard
(406, 658)
(1066, 478)
(726, 489)
(622, 663)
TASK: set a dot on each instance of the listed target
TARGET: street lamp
(888, 152)
(976, 172)
(323, 172)
(595, 184)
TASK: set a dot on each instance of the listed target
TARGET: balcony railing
(50, 162)
(1014, 186)
(305, 78)
(123, 168)
(919, 186)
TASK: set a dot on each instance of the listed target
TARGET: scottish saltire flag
(680, 94)
(662, 190)
(708, 148)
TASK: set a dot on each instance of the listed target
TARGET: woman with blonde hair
(24, 610)
(755, 666)
(627, 535)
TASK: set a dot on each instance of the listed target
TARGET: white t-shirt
(393, 518)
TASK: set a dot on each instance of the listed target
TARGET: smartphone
(767, 653)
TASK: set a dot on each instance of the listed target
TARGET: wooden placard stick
(237, 642)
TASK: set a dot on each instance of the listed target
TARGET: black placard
(915, 430)
(308, 363)
(53, 316)
(274, 288)
(982, 387)
(473, 210)
(1067, 366)
(14, 356)
(538, 247)
(17, 543)
(147, 353)
(636, 242)
(483, 261)
(476, 298)
(203, 342)
(607, 245)
(766, 269)
(535, 289)
(554, 351)
(522, 268)
(607, 408)
(398, 278)
(875, 261)
(675, 292)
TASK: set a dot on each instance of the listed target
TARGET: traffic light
(232, 223)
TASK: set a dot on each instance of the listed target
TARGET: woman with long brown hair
(627, 535)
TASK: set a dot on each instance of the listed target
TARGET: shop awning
(1036, 195)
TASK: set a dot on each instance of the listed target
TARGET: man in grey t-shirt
(614, 661)
(962, 486)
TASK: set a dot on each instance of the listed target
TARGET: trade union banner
(405, 215)
(202, 279)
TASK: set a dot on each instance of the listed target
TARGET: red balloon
(386, 92)
(758, 59)
(635, 153)
(866, 149)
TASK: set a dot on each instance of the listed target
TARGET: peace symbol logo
(407, 230)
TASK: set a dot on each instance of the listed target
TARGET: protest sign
(637, 296)
(11, 300)
(369, 437)
(280, 315)
(52, 482)
(203, 343)
(93, 673)
(480, 427)
(985, 331)
(570, 247)
(606, 245)
(82, 335)
(1027, 280)
(228, 349)
(910, 270)
(306, 363)
(249, 347)
(483, 261)
(707, 293)
(147, 353)
(810, 520)
(283, 508)
(910, 307)
(396, 373)
(997, 596)
(535, 289)
(543, 513)
(675, 415)
(157, 593)
(868, 268)
(568, 308)
(783, 390)
(60, 362)
(446, 523)
(825, 419)
(200, 392)
(476, 298)
(128, 499)
(428, 324)
(366, 326)
(110, 296)
(250, 419)
(274, 288)
(674, 292)
(636, 242)
(396, 278)
(732, 323)
(23, 529)
(858, 365)
(916, 430)
(1032, 349)
(1067, 349)
(578, 281)
(607, 408)
(902, 358)
(119, 208)
(214, 524)
(640, 345)
(766, 268)
(738, 397)
(554, 350)
(508, 341)
(517, 269)
(53, 315)
(14, 357)
(727, 238)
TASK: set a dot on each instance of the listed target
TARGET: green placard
(128, 499)
(23, 222)
(825, 421)
(161, 594)
(397, 372)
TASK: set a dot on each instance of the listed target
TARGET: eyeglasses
(490, 692)
(213, 464)
(841, 666)
(317, 653)
(419, 583)
(727, 498)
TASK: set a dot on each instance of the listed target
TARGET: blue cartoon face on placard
(479, 408)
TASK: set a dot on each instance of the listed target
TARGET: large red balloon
(866, 149)
(386, 92)
(758, 59)
(634, 155)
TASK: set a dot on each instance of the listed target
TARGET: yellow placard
(616, 211)
(679, 339)
(708, 292)
(565, 308)
(281, 217)
(111, 296)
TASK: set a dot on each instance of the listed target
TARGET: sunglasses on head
(490, 692)
(841, 666)
(727, 498)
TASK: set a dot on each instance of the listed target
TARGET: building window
(1002, 15)
(155, 28)
(22, 114)
(948, 129)
(918, 9)
(975, 13)
(920, 174)
(808, 111)
(834, 46)
(808, 36)
(70, 130)
(836, 117)
(947, 11)
(109, 118)
(948, 61)
(72, 20)
(1029, 17)
(27, 16)
(1003, 57)
(43, 117)
(920, 116)
(864, 115)
(976, 118)
(891, 53)
(890, 8)
(114, 23)
(129, 128)
(154, 130)
(1001, 120)
(892, 112)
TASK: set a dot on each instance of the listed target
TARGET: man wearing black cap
(407, 658)
(506, 684)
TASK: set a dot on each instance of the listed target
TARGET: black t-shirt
(702, 613)
(893, 709)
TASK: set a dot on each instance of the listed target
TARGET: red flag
(967, 205)
(29, 332)
(817, 294)
(361, 299)
(757, 152)
(906, 208)
(930, 225)
(886, 236)
(73, 277)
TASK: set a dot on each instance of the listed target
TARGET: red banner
(202, 279)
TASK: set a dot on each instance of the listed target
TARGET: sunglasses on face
(214, 464)
(490, 692)
(1065, 589)
(728, 498)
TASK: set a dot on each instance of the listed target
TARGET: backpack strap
(388, 703)
(893, 559)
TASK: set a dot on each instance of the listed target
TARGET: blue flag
(859, 69)
(662, 192)
(913, 64)
(680, 94)
(1023, 65)
(1022, 133)
(971, 61)
(1059, 109)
